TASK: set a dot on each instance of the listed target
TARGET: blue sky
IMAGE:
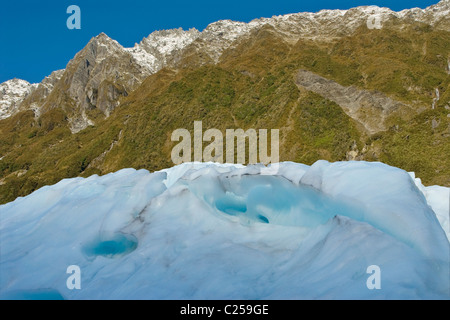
(35, 40)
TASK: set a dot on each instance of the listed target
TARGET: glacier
(223, 231)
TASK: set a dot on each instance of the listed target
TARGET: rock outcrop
(369, 108)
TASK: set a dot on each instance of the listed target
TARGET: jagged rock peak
(12, 92)
(155, 51)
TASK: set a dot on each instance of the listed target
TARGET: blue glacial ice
(218, 231)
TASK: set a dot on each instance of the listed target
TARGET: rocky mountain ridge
(104, 71)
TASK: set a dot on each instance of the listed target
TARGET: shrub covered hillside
(253, 85)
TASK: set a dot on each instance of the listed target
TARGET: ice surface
(406, 215)
(438, 198)
(219, 231)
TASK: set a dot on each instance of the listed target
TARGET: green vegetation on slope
(252, 87)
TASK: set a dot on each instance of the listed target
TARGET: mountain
(361, 84)
(166, 47)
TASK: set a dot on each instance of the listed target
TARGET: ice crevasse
(222, 231)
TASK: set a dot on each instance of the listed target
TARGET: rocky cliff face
(39, 93)
(97, 77)
(369, 108)
(103, 72)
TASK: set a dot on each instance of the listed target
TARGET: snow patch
(12, 93)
